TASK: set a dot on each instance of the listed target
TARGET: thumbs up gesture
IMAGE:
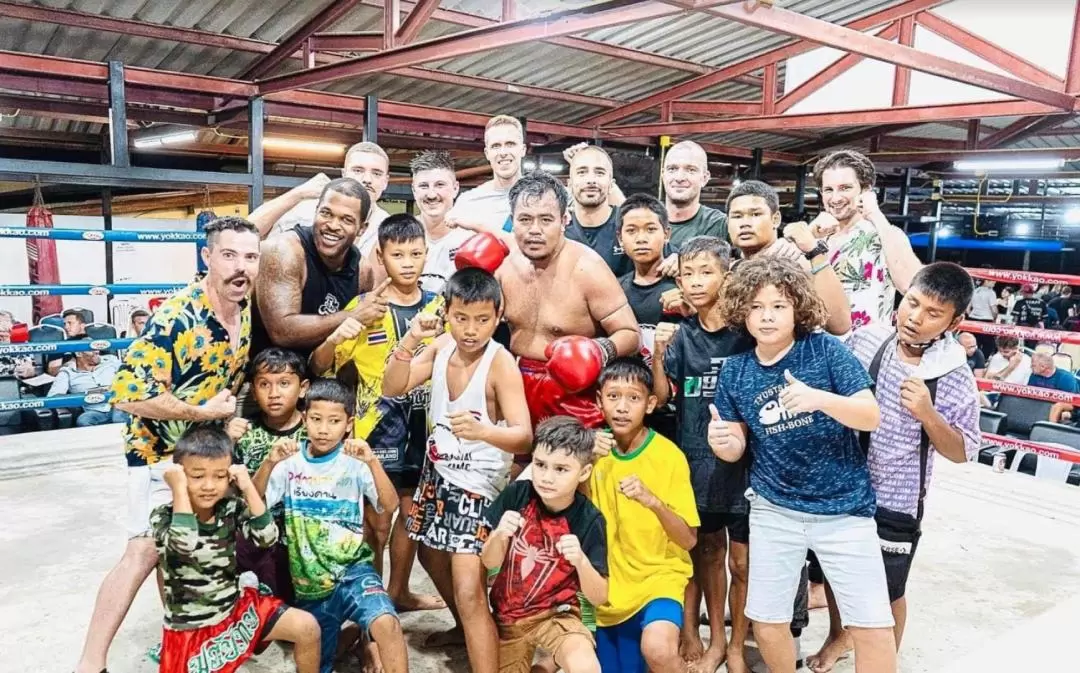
(799, 398)
(724, 444)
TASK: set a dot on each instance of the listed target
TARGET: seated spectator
(89, 372)
(1065, 305)
(1045, 374)
(976, 361)
(1009, 363)
(74, 321)
(19, 366)
(138, 321)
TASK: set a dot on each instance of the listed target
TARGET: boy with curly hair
(798, 401)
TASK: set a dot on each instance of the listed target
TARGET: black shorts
(899, 537)
(737, 525)
(405, 480)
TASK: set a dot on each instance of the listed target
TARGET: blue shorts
(358, 597)
(619, 647)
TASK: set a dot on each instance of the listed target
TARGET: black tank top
(325, 292)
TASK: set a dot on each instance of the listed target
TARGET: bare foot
(370, 662)
(411, 602)
(735, 661)
(690, 647)
(454, 636)
(834, 649)
(710, 660)
(817, 599)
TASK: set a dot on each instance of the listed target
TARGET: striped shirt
(894, 446)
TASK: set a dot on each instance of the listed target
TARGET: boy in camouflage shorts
(212, 624)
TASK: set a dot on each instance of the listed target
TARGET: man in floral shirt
(185, 368)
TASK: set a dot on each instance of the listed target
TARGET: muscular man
(873, 259)
(686, 172)
(311, 273)
(365, 162)
(557, 288)
(753, 211)
(486, 207)
(434, 187)
(166, 383)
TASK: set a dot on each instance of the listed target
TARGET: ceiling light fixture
(166, 139)
(984, 165)
(303, 145)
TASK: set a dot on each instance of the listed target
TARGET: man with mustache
(311, 273)
(183, 369)
(365, 162)
(593, 219)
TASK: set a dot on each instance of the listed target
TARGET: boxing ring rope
(37, 347)
(1030, 392)
(54, 402)
(95, 290)
(1020, 332)
(1021, 277)
(100, 236)
(1024, 446)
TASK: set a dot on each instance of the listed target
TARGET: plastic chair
(100, 330)
(1063, 361)
(54, 319)
(1022, 413)
(992, 421)
(1056, 433)
(11, 422)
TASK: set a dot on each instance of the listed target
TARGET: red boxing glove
(574, 362)
(485, 251)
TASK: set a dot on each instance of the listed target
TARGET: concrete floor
(996, 578)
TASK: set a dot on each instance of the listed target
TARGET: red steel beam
(415, 21)
(852, 137)
(97, 113)
(745, 67)
(99, 91)
(768, 90)
(972, 141)
(391, 22)
(432, 75)
(745, 153)
(612, 12)
(903, 115)
(363, 41)
(716, 107)
(779, 20)
(901, 92)
(1072, 75)
(988, 51)
(889, 143)
(830, 73)
(322, 19)
(1023, 128)
(928, 157)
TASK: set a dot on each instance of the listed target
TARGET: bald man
(976, 359)
(686, 172)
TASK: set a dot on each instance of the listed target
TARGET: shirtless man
(556, 288)
(365, 162)
(310, 273)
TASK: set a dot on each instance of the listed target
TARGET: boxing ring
(156, 291)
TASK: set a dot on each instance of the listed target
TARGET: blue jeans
(358, 597)
(90, 417)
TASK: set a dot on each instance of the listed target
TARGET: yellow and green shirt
(184, 350)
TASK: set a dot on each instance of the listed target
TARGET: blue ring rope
(95, 290)
(34, 347)
(55, 402)
(98, 235)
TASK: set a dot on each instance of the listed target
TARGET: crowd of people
(584, 410)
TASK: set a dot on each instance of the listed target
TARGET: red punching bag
(41, 253)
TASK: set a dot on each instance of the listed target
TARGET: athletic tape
(1058, 453)
(1021, 277)
(1030, 392)
(1020, 332)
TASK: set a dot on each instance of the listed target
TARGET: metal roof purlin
(288, 46)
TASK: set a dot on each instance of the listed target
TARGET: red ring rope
(1006, 276)
(1021, 332)
(1030, 392)
(1068, 455)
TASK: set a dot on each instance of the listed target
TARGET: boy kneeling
(210, 621)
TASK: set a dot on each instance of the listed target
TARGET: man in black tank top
(309, 274)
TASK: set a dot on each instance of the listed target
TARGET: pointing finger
(381, 288)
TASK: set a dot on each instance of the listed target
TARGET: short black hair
(77, 312)
(215, 227)
(1006, 342)
(139, 313)
(276, 360)
(325, 389)
(534, 185)
(400, 228)
(567, 434)
(473, 285)
(642, 202)
(202, 441)
(431, 160)
(946, 282)
(627, 368)
(352, 188)
(707, 245)
(755, 188)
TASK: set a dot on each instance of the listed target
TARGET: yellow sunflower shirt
(185, 351)
(643, 562)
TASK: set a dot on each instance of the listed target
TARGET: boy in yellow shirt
(394, 427)
(643, 490)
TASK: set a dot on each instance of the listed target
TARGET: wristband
(815, 270)
(402, 354)
(608, 348)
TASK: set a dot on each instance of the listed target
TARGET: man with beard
(686, 172)
(183, 369)
(365, 162)
(311, 273)
(873, 259)
(434, 188)
(486, 207)
(561, 299)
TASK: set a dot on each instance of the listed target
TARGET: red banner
(1020, 332)
(1030, 392)
(1055, 452)
(44, 267)
(1021, 277)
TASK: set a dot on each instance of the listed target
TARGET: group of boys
(783, 439)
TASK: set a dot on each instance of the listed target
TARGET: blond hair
(368, 148)
(504, 120)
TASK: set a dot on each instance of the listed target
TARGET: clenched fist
(570, 548)
(633, 488)
(509, 524)
(282, 449)
(662, 338)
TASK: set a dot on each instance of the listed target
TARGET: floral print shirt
(185, 351)
(858, 258)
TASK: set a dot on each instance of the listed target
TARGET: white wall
(83, 262)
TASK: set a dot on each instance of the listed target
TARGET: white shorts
(146, 490)
(849, 552)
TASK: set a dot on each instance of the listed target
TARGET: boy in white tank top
(478, 419)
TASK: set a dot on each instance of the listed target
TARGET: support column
(118, 139)
(905, 196)
(256, 122)
(800, 192)
(755, 163)
(371, 119)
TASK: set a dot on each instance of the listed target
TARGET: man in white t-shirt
(487, 206)
(365, 162)
(1009, 363)
(984, 308)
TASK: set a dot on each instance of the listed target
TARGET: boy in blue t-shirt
(797, 402)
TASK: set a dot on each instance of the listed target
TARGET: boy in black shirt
(687, 360)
